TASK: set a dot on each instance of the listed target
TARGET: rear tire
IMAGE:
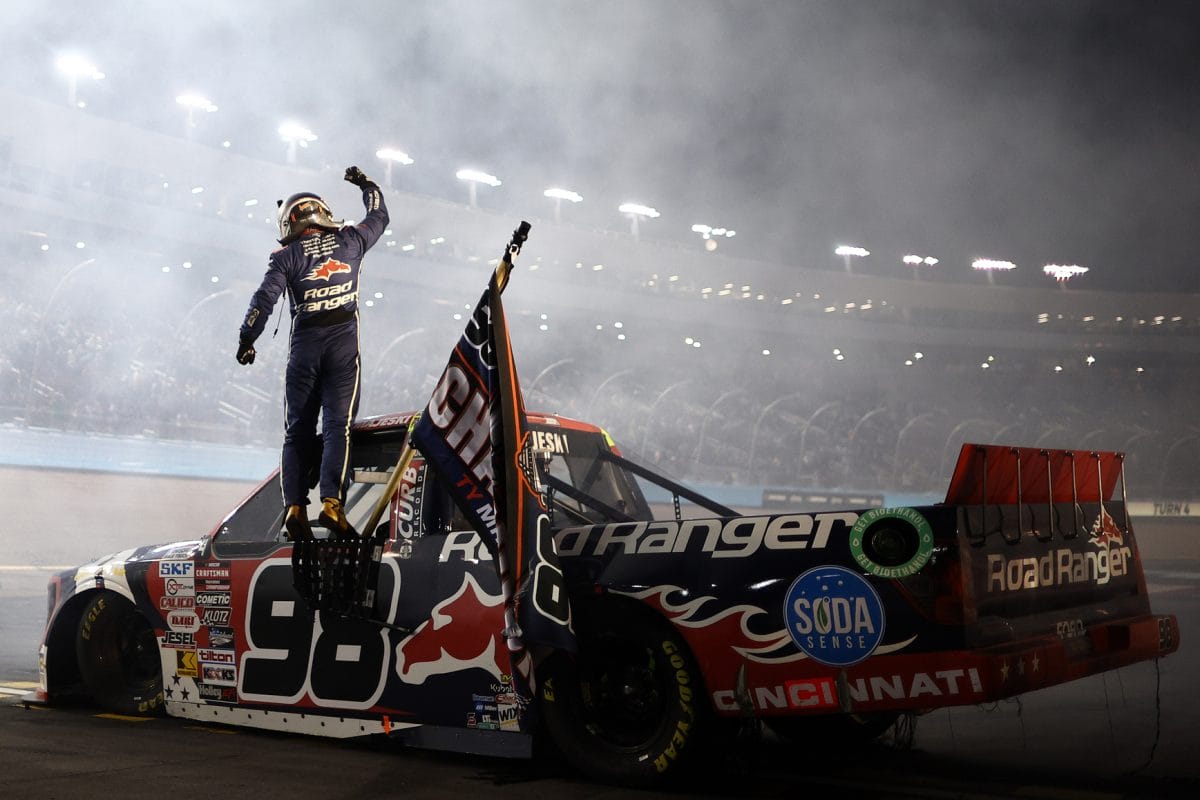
(832, 731)
(628, 708)
(118, 656)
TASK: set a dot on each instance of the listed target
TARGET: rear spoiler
(988, 474)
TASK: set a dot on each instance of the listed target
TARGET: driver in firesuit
(318, 267)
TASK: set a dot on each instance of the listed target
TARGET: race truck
(830, 623)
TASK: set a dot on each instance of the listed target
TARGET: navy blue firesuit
(320, 273)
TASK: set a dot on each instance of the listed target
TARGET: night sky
(1037, 132)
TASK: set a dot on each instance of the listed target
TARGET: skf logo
(325, 270)
(175, 569)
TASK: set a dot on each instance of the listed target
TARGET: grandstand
(131, 255)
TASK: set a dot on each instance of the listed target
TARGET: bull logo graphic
(1105, 533)
(464, 631)
(326, 269)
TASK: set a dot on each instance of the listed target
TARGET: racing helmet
(304, 210)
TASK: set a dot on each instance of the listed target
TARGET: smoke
(1050, 132)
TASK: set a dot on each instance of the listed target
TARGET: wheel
(829, 731)
(627, 709)
(118, 656)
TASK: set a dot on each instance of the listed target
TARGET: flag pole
(500, 275)
(511, 249)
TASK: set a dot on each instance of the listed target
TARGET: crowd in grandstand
(706, 418)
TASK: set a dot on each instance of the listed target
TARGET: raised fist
(355, 175)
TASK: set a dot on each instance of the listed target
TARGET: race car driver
(318, 266)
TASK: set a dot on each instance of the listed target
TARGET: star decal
(1035, 662)
(185, 694)
(1004, 672)
(175, 678)
(170, 693)
(1020, 666)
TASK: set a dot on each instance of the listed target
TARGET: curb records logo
(834, 616)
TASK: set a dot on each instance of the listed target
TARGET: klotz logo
(327, 269)
(834, 616)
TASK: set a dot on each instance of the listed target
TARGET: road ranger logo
(737, 537)
(834, 616)
(326, 269)
(1064, 566)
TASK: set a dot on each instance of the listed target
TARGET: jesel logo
(326, 269)
(834, 615)
(463, 632)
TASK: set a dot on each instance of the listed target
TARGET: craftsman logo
(326, 269)
(216, 616)
(175, 569)
(834, 616)
(184, 621)
(213, 572)
(212, 599)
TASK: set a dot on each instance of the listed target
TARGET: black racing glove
(245, 353)
(355, 175)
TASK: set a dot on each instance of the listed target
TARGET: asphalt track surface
(1134, 732)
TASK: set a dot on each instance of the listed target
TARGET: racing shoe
(295, 522)
(333, 518)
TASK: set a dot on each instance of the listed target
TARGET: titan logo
(325, 270)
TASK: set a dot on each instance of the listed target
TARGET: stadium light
(194, 102)
(1063, 272)
(76, 67)
(991, 266)
(916, 262)
(296, 135)
(635, 212)
(474, 177)
(711, 234)
(391, 156)
(558, 195)
(848, 251)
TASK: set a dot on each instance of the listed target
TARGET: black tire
(629, 708)
(832, 731)
(118, 656)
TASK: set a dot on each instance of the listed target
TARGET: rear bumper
(1019, 667)
(923, 681)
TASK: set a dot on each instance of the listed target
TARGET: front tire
(118, 656)
(627, 709)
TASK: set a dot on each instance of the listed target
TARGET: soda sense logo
(834, 616)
